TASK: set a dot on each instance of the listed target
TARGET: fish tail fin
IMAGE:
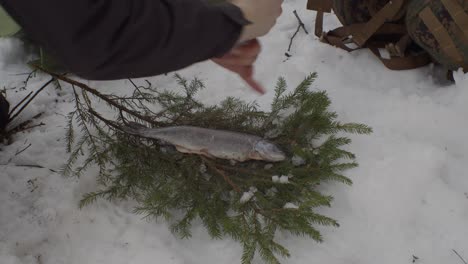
(132, 128)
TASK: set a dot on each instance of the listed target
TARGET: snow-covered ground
(410, 192)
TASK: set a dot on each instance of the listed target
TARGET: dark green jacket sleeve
(116, 39)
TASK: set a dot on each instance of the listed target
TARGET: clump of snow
(247, 196)
(297, 160)
(203, 168)
(284, 179)
(273, 133)
(275, 178)
(271, 192)
(280, 179)
(290, 206)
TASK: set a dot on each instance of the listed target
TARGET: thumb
(247, 76)
(254, 84)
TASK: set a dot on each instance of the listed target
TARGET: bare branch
(30, 100)
(99, 95)
(459, 256)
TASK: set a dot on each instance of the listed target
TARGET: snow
(297, 161)
(290, 206)
(280, 179)
(275, 178)
(246, 196)
(284, 179)
(409, 197)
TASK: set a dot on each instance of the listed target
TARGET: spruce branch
(246, 201)
(97, 94)
(221, 173)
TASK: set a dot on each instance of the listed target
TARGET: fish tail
(133, 128)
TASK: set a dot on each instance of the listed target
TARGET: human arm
(115, 39)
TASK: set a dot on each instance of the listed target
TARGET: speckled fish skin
(213, 143)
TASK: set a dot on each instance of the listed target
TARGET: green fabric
(8, 26)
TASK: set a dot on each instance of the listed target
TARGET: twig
(220, 172)
(23, 126)
(22, 101)
(107, 122)
(292, 38)
(459, 256)
(300, 22)
(137, 88)
(97, 94)
(30, 76)
(29, 166)
(301, 25)
(246, 171)
(21, 151)
(30, 100)
(33, 126)
(129, 98)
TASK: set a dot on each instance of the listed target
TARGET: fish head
(264, 150)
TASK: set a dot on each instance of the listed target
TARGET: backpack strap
(358, 33)
(458, 14)
(402, 63)
(339, 37)
(361, 34)
(441, 35)
(321, 6)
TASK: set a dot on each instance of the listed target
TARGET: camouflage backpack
(441, 28)
(397, 31)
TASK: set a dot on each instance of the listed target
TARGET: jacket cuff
(234, 14)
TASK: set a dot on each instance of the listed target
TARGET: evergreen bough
(249, 201)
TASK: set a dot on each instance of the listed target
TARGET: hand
(262, 14)
(240, 60)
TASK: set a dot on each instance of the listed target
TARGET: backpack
(397, 31)
(441, 28)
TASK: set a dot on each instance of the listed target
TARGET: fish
(211, 143)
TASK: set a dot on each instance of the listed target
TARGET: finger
(238, 69)
(255, 85)
(236, 60)
(250, 48)
(246, 74)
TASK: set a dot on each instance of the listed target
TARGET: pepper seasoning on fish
(212, 142)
